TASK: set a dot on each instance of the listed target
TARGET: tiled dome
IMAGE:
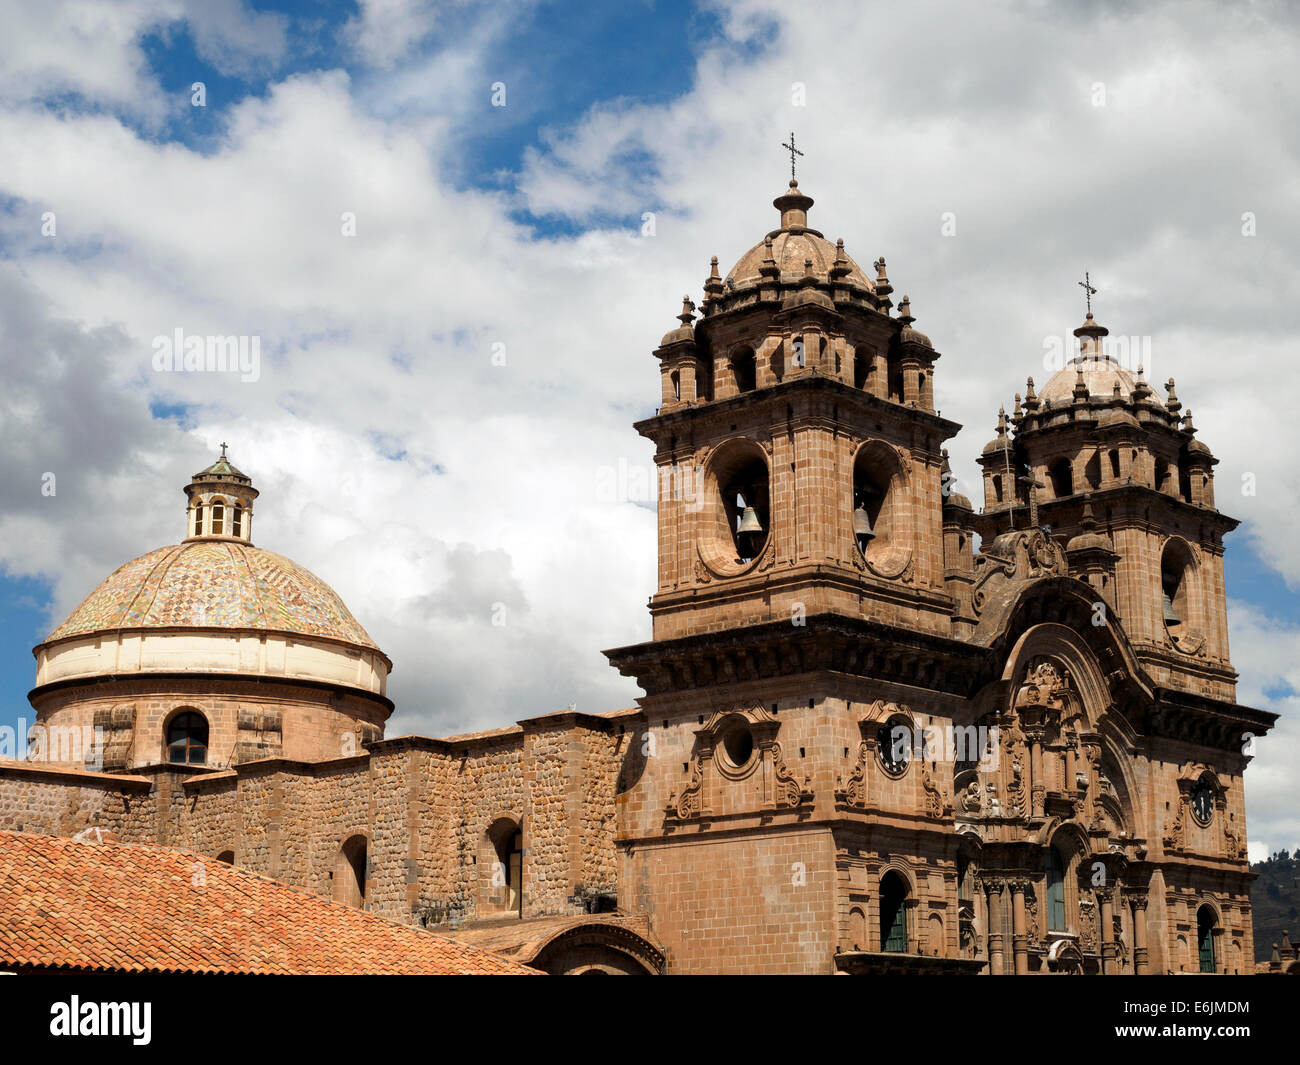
(207, 584)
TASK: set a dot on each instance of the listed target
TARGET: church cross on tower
(793, 152)
(1089, 290)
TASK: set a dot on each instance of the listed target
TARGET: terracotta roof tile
(139, 908)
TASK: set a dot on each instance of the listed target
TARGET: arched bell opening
(1061, 477)
(744, 370)
(878, 529)
(737, 523)
(1176, 566)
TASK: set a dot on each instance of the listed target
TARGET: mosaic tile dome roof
(206, 584)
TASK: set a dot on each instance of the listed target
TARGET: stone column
(996, 963)
(1019, 938)
(1104, 896)
(1140, 963)
(913, 907)
(1037, 784)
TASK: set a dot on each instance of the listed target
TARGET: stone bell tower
(798, 445)
(1115, 471)
(802, 603)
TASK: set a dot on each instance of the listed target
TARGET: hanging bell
(862, 524)
(1171, 615)
(749, 522)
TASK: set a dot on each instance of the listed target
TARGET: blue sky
(521, 226)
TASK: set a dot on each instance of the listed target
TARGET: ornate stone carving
(854, 793)
(1016, 788)
(686, 806)
(1021, 555)
(1088, 925)
(789, 792)
(972, 800)
(1032, 931)
(1175, 831)
(1044, 685)
(936, 800)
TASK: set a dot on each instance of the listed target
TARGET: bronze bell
(749, 522)
(1171, 615)
(862, 524)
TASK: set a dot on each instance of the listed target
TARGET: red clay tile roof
(139, 908)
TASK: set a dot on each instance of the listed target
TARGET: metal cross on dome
(1086, 285)
(793, 152)
(223, 449)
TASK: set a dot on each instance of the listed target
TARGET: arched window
(997, 488)
(1061, 477)
(1175, 567)
(505, 870)
(350, 873)
(677, 384)
(861, 368)
(1055, 871)
(893, 914)
(742, 365)
(218, 519)
(1205, 938)
(198, 520)
(187, 739)
(237, 521)
(1114, 464)
(228, 857)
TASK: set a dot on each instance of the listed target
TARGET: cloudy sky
(433, 216)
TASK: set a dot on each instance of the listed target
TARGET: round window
(894, 745)
(738, 745)
(1203, 802)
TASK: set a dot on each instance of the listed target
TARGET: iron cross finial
(1086, 285)
(793, 152)
(223, 449)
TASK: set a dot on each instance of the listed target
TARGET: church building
(882, 732)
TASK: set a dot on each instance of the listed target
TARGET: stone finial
(1188, 427)
(1031, 397)
(905, 311)
(768, 267)
(883, 287)
(840, 268)
(1002, 421)
(1016, 413)
(1173, 403)
(688, 312)
(1080, 385)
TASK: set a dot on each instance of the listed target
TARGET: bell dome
(1099, 372)
(787, 251)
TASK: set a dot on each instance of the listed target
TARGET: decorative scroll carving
(1175, 834)
(789, 792)
(1022, 555)
(854, 793)
(936, 800)
(1233, 846)
(972, 800)
(1016, 788)
(686, 806)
